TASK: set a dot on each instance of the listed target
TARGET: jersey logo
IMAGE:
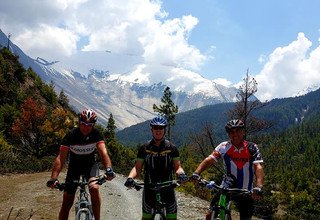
(239, 157)
(161, 153)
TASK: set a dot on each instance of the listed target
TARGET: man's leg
(67, 203)
(95, 200)
(245, 206)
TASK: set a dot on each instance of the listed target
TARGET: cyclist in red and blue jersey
(242, 160)
(79, 146)
(160, 159)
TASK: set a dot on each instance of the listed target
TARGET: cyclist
(242, 160)
(160, 158)
(80, 145)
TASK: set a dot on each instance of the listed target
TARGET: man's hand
(52, 183)
(129, 182)
(195, 177)
(110, 174)
(182, 177)
(257, 193)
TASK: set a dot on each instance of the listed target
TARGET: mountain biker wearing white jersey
(80, 146)
(242, 161)
(160, 158)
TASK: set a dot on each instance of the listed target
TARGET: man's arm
(177, 167)
(102, 150)
(259, 175)
(209, 161)
(58, 163)
(136, 170)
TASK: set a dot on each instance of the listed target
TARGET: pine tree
(111, 127)
(63, 99)
(167, 110)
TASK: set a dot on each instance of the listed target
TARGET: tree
(111, 127)
(246, 104)
(27, 128)
(63, 99)
(168, 109)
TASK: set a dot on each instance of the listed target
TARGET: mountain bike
(222, 209)
(159, 212)
(83, 207)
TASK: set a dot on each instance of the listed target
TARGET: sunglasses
(157, 127)
(86, 124)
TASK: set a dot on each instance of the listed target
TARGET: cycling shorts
(74, 173)
(168, 197)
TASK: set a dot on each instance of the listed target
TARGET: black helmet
(236, 123)
(88, 116)
(158, 121)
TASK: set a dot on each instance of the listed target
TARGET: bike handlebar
(100, 180)
(213, 185)
(156, 186)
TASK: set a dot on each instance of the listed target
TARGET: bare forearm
(133, 173)
(106, 160)
(259, 176)
(136, 170)
(57, 167)
(204, 165)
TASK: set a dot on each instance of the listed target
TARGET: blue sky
(277, 41)
(243, 31)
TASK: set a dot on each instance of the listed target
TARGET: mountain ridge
(106, 91)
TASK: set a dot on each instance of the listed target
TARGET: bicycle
(83, 207)
(222, 209)
(159, 212)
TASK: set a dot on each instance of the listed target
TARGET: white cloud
(48, 42)
(289, 70)
(58, 28)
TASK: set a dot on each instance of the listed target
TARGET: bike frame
(222, 209)
(83, 205)
(160, 206)
(83, 208)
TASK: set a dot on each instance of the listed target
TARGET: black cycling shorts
(74, 173)
(167, 196)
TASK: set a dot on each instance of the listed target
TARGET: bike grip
(210, 185)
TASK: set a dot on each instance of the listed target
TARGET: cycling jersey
(239, 162)
(158, 167)
(82, 149)
(158, 161)
(82, 155)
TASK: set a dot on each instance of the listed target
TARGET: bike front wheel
(227, 217)
(83, 215)
(159, 217)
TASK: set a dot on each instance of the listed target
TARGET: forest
(34, 119)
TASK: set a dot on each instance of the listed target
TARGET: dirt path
(25, 196)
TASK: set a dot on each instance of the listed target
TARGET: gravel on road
(25, 196)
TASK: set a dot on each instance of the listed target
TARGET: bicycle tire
(227, 217)
(83, 215)
(159, 217)
(214, 215)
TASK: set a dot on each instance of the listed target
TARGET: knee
(94, 189)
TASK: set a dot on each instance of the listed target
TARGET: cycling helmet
(236, 123)
(158, 121)
(88, 116)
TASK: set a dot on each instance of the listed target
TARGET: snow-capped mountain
(308, 89)
(91, 80)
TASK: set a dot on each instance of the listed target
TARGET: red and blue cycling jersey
(239, 162)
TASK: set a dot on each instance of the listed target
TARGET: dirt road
(25, 196)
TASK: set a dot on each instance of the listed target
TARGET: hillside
(282, 113)
(33, 118)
